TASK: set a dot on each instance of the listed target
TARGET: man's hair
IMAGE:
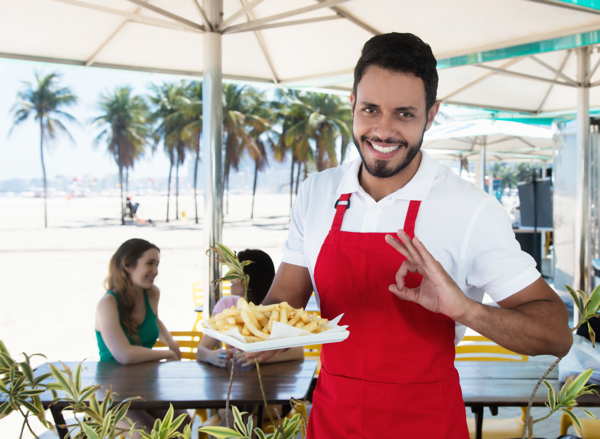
(405, 53)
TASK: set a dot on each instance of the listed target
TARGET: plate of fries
(254, 328)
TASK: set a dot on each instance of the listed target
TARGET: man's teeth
(384, 149)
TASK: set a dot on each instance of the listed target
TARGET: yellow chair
(187, 342)
(313, 352)
(479, 348)
(590, 428)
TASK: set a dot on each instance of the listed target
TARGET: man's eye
(369, 110)
(406, 115)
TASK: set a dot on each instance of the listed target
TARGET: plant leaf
(221, 432)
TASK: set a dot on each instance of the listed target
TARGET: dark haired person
(261, 272)
(127, 323)
(405, 249)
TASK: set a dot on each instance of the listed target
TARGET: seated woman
(127, 323)
(261, 273)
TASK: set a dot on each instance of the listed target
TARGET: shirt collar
(417, 188)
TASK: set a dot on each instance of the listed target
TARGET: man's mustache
(401, 142)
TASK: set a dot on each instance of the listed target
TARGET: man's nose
(386, 128)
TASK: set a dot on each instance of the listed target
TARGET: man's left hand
(437, 292)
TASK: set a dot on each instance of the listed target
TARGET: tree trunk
(292, 182)
(127, 180)
(169, 188)
(300, 166)
(120, 165)
(44, 180)
(177, 190)
(196, 162)
(254, 189)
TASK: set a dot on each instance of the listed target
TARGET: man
(406, 296)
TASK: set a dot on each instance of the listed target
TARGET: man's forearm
(533, 328)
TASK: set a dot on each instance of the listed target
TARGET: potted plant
(587, 305)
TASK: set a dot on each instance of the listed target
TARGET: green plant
(288, 429)
(20, 390)
(587, 305)
(235, 267)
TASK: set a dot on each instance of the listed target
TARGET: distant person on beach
(127, 322)
(131, 208)
(261, 272)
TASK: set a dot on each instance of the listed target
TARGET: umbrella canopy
(513, 54)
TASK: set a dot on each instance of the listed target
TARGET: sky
(19, 151)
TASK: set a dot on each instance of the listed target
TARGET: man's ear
(352, 100)
(431, 113)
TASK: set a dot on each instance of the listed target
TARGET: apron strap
(341, 205)
(411, 218)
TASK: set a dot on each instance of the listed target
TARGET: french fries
(255, 322)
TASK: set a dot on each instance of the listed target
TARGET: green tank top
(147, 331)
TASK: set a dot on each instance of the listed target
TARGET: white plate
(331, 336)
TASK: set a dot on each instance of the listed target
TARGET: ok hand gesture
(438, 292)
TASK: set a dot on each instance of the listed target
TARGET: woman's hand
(437, 292)
(219, 357)
(171, 356)
(175, 349)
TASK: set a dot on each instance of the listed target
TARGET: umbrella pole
(582, 274)
(212, 133)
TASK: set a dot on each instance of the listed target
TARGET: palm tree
(44, 101)
(191, 109)
(239, 120)
(124, 127)
(169, 123)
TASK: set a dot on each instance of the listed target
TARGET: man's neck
(379, 188)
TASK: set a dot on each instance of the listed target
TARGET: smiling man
(405, 250)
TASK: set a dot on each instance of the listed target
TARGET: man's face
(389, 120)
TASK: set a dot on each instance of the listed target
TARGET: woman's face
(145, 270)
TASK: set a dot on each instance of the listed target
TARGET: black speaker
(531, 243)
(535, 200)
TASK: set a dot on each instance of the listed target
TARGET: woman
(127, 323)
(261, 272)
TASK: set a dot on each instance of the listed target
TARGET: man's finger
(415, 257)
(397, 245)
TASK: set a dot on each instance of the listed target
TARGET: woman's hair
(118, 280)
(261, 272)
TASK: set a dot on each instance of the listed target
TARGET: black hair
(261, 272)
(400, 52)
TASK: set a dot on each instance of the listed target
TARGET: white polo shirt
(465, 229)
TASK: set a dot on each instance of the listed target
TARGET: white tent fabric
(313, 42)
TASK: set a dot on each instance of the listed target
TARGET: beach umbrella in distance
(490, 140)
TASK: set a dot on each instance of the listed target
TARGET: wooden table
(502, 384)
(190, 385)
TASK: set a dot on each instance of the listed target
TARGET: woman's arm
(107, 322)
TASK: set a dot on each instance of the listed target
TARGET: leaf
(89, 432)
(594, 302)
(221, 432)
(573, 417)
(238, 421)
(259, 433)
(551, 394)
(572, 389)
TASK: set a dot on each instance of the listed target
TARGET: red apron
(394, 375)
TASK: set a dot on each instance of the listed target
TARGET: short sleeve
(224, 303)
(496, 264)
(293, 249)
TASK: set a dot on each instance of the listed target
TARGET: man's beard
(380, 168)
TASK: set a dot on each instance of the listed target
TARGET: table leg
(59, 420)
(478, 412)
